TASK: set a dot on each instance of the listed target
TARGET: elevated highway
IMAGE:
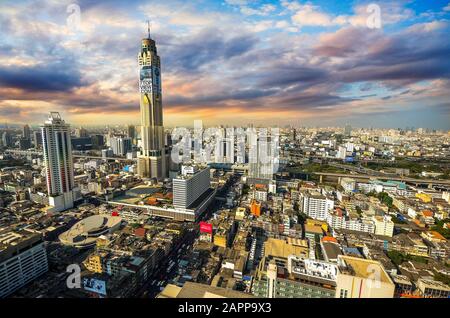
(367, 177)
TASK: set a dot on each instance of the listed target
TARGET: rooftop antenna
(148, 28)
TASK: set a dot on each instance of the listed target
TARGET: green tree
(396, 257)
(358, 210)
(302, 217)
(385, 198)
(442, 278)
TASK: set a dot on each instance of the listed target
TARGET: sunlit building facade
(58, 162)
(152, 159)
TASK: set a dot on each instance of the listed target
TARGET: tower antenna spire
(148, 28)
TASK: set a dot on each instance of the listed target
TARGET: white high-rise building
(349, 184)
(340, 221)
(342, 152)
(316, 206)
(121, 145)
(26, 132)
(350, 146)
(23, 258)
(347, 130)
(383, 225)
(189, 186)
(58, 162)
(263, 158)
(224, 148)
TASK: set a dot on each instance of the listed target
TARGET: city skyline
(233, 149)
(235, 62)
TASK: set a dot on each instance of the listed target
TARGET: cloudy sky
(323, 63)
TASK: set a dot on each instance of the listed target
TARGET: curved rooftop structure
(86, 232)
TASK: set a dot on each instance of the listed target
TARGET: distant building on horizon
(81, 132)
(121, 145)
(26, 132)
(348, 130)
(263, 160)
(98, 141)
(131, 131)
(24, 143)
(6, 139)
(37, 139)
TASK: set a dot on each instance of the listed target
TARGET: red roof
(329, 239)
(169, 195)
(140, 232)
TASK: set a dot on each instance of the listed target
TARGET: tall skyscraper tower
(58, 162)
(131, 131)
(121, 145)
(263, 158)
(348, 130)
(37, 139)
(26, 132)
(152, 159)
(6, 139)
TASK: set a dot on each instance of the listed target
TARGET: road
(403, 179)
(74, 155)
(160, 278)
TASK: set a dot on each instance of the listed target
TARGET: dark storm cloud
(210, 100)
(412, 72)
(210, 46)
(405, 92)
(282, 76)
(311, 101)
(52, 77)
(407, 56)
(414, 44)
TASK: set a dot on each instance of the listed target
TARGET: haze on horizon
(231, 62)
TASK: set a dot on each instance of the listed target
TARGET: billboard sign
(157, 79)
(95, 285)
(349, 159)
(205, 227)
(145, 83)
